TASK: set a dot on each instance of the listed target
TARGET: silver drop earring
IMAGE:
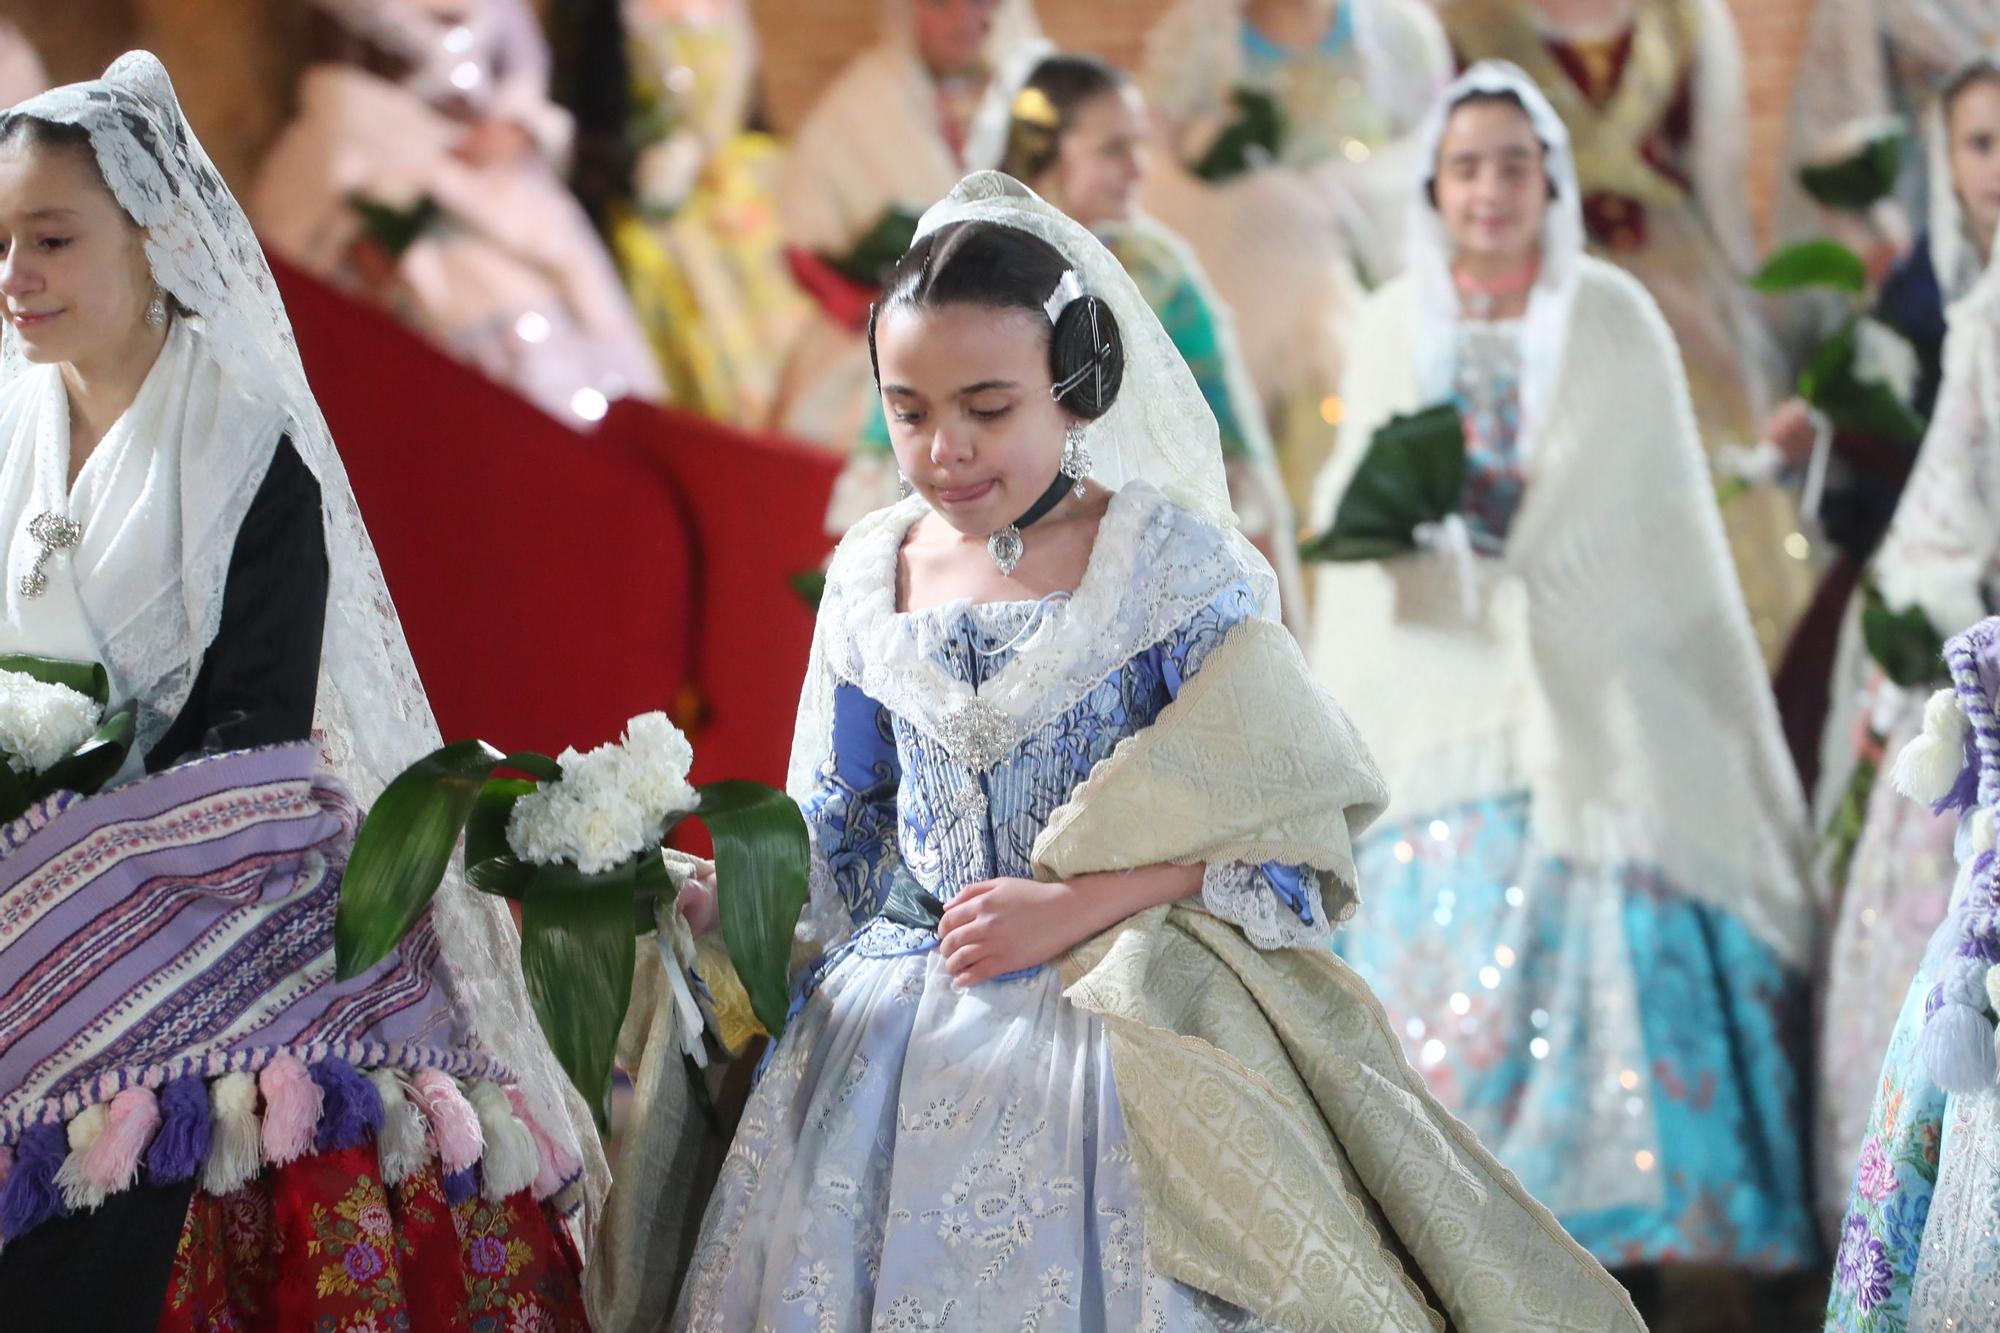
(156, 310)
(1075, 458)
(903, 487)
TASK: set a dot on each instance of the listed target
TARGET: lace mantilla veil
(1159, 433)
(372, 716)
(1427, 254)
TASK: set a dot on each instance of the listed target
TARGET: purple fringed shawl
(180, 928)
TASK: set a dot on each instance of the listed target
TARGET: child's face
(1973, 126)
(966, 392)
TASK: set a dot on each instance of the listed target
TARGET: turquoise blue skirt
(1629, 1052)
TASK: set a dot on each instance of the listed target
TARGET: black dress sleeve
(260, 677)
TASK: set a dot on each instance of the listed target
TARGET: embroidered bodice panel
(1486, 384)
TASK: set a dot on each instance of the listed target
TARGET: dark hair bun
(1087, 358)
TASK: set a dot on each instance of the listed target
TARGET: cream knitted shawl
(1608, 668)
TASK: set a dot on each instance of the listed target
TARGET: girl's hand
(696, 901)
(1010, 925)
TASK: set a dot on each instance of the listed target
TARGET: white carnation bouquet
(580, 842)
(611, 803)
(57, 730)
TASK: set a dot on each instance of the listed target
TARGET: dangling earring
(1075, 458)
(903, 487)
(156, 309)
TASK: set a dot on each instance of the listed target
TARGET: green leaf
(577, 955)
(871, 257)
(490, 866)
(402, 851)
(1413, 473)
(88, 678)
(394, 229)
(1255, 137)
(1819, 263)
(761, 854)
(1908, 648)
(92, 764)
(810, 585)
(510, 877)
(1859, 180)
(1871, 409)
(537, 766)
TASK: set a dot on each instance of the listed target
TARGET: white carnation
(1883, 356)
(42, 723)
(655, 759)
(610, 803)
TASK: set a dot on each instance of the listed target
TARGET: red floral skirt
(322, 1246)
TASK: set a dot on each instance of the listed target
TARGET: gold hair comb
(1033, 106)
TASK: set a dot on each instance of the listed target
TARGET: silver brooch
(977, 734)
(967, 801)
(52, 532)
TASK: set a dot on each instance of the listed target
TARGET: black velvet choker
(1005, 546)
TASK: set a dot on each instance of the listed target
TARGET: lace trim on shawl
(1113, 616)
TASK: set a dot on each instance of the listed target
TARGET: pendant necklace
(1006, 546)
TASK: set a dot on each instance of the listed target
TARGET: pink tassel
(291, 1110)
(555, 1168)
(111, 1163)
(454, 1125)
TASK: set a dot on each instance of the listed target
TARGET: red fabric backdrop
(553, 583)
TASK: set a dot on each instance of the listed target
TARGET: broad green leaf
(1857, 181)
(489, 863)
(510, 877)
(869, 260)
(1819, 263)
(1871, 409)
(810, 585)
(761, 855)
(1908, 648)
(403, 849)
(1413, 473)
(537, 766)
(93, 763)
(89, 678)
(1255, 136)
(577, 955)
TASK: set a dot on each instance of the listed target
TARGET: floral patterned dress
(918, 1156)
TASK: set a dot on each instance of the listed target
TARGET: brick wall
(210, 44)
(800, 57)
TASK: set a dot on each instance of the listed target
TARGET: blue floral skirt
(1627, 1051)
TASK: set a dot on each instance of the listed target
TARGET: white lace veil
(1159, 429)
(1953, 257)
(1429, 249)
(372, 715)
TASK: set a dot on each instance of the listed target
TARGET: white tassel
(1958, 1049)
(78, 1191)
(1929, 765)
(404, 1145)
(1982, 841)
(235, 1144)
(509, 1164)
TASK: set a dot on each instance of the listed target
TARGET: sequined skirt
(1628, 1052)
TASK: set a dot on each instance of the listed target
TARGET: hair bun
(1086, 357)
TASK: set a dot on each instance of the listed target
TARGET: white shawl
(1610, 669)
